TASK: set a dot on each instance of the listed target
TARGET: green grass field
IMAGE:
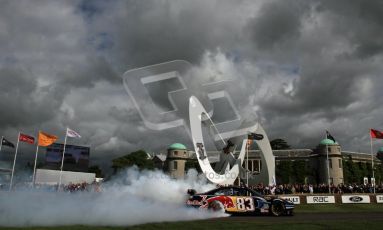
(336, 208)
(286, 223)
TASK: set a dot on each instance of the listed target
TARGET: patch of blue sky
(89, 9)
(8, 60)
(289, 69)
(102, 41)
(235, 56)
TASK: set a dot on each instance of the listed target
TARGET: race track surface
(304, 217)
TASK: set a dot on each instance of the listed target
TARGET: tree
(299, 171)
(378, 173)
(347, 170)
(97, 170)
(357, 173)
(364, 170)
(192, 164)
(138, 158)
(283, 172)
(279, 144)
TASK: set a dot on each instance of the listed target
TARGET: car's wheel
(216, 206)
(277, 208)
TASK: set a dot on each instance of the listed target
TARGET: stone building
(176, 157)
(328, 162)
(325, 160)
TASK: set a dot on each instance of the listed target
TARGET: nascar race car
(240, 200)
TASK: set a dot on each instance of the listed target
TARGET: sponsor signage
(379, 199)
(320, 199)
(294, 199)
(356, 199)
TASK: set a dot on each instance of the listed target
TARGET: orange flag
(46, 139)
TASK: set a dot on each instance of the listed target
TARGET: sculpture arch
(229, 172)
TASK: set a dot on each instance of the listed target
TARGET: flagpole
(34, 168)
(14, 162)
(372, 165)
(247, 163)
(62, 159)
(328, 168)
(1, 142)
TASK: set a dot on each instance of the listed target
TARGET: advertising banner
(355, 199)
(294, 199)
(76, 157)
(379, 198)
(320, 199)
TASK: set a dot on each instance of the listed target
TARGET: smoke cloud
(134, 197)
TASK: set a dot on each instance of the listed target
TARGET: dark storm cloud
(151, 32)
(277, 23)
(299, 67)
(360, 21)
(328, 42)
(22, 101)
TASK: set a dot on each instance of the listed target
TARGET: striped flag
(26, 138)
(72, 133)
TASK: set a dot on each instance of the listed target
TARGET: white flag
(72, 133)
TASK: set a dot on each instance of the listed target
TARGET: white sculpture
(229, 167)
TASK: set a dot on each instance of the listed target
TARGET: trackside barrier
(355, 199)
(294, 199)
(334, 199)
(320, 199)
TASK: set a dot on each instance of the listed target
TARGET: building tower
(176, 159)
(335, 164)
(379, 154)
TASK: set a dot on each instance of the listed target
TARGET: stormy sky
(298, 67)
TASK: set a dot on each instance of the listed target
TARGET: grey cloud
(299, 66)
(151, 32)
(277, 23)
(23, 103)
(360, 21)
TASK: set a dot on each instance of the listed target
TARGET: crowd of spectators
(71, 187)
(316, 188)
(76, 187)
(81, 187)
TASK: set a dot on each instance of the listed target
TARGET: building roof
(177, 146)
(358, 155)
(327, 142)
(161, 157)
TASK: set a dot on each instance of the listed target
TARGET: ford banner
(356, 199)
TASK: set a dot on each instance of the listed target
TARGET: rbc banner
(320, 199)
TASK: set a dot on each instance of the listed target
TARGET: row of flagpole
(44, 140)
